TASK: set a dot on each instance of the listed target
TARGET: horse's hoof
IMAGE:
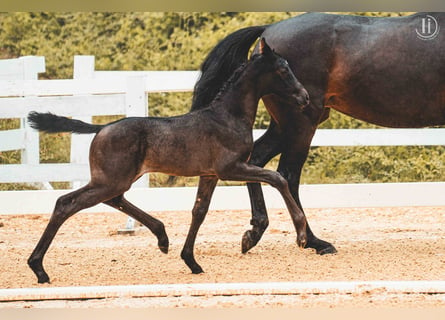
(301, 241)
(37, 268)
(247, 242)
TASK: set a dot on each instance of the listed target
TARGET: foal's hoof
(197, 270)
(321, 247)
(43, 278)
(327, 250)
(163, 245)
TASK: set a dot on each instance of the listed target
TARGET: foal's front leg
(265, 148)
(246, 172)
(206, 187)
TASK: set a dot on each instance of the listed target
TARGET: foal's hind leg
(66, 206)
(155, 226)
(206, 187)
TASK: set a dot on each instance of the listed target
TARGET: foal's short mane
(229, 83)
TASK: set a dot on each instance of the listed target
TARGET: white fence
(89, 93)
(92, 92)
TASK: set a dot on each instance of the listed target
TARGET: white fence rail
(92, 92)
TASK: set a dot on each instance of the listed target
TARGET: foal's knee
(158, 228)
(67, 205)
(63, 204)
(280, 182)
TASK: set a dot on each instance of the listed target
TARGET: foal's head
(277, 78)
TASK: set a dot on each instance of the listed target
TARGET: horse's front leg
(295, 149)
(295, 135)
(206, 187)
(290, 169)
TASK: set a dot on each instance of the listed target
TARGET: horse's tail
(52, 123)
(221, 62)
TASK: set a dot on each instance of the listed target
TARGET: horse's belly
(378, 94)
(388, 114)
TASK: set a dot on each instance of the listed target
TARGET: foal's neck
(242, 98)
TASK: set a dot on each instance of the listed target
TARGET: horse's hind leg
(205, 191)
(66, 206)
(155, 226)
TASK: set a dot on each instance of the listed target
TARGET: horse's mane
(229, 83)
(222, 63)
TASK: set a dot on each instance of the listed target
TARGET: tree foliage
(120, 41)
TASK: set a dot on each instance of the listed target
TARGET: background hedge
(180, 41)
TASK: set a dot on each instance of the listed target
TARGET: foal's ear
(264, 47)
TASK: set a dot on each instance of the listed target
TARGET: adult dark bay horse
(214, 143)
(386, 71)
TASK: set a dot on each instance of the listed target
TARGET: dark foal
(213, 143)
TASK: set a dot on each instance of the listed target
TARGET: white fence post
(26, 68)
(80, 143)
(32, 66)
(137, 106)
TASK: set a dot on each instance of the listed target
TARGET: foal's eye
(285, 63)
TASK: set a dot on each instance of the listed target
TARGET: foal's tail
(221, 62)
(52, 123)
